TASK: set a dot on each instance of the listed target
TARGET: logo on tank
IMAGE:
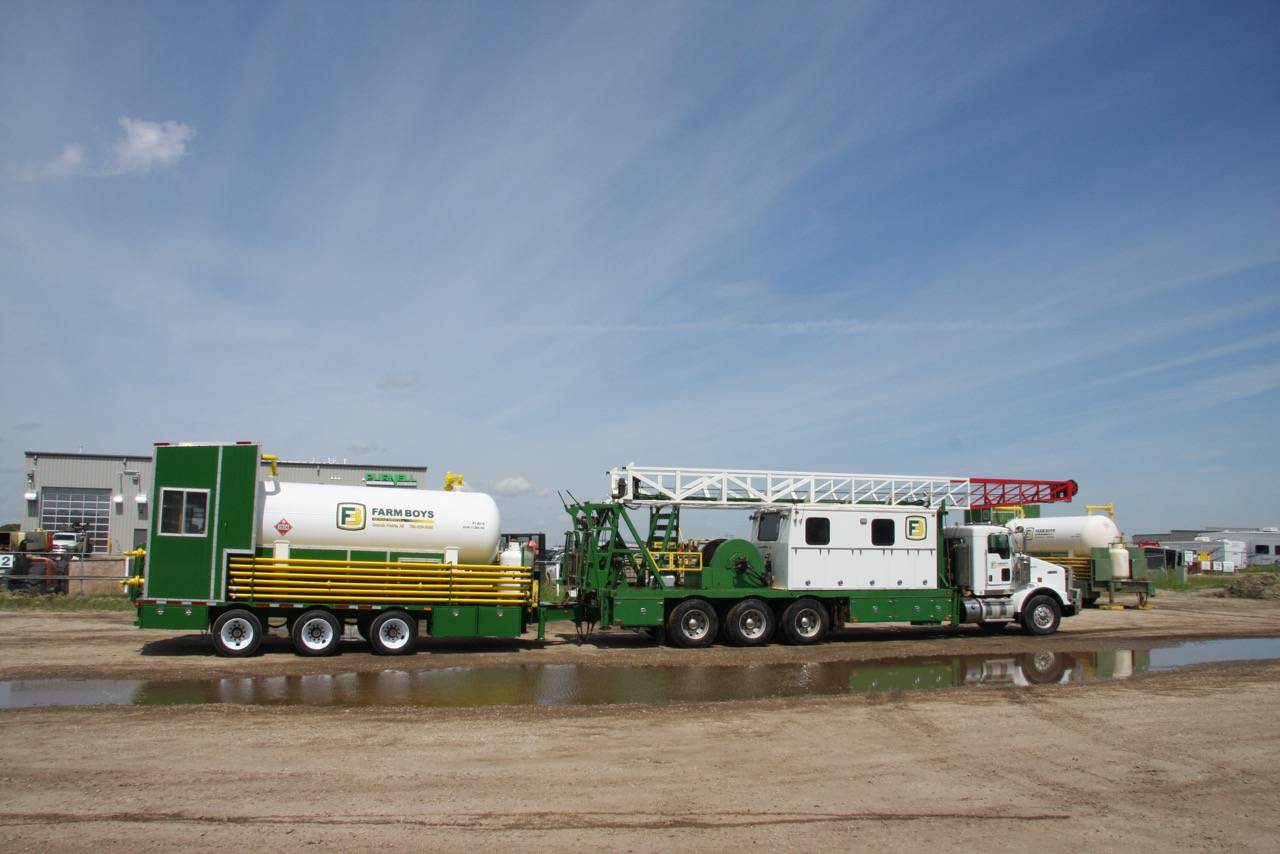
(917, 527)
(351, 516)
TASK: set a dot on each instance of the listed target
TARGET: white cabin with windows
(857, 547)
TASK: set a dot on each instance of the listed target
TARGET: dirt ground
(1187, 760)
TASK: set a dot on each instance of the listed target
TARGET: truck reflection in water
(586, 685)
(576, 685)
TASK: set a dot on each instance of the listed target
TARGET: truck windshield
(770, 524)
(998, 544)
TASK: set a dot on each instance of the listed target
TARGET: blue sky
(530, 241)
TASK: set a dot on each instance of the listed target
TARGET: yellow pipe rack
(257, 578)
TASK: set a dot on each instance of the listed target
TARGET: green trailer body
(630, 582)
(204, 531)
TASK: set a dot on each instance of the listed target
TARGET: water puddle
(586, 685)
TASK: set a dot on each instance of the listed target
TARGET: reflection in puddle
(576, 684)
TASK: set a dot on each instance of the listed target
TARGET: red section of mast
(988, 492)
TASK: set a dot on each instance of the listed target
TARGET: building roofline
(150, 458)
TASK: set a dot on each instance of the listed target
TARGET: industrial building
(1217, 547)
(107, 496)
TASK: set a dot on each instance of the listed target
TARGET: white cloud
(147, 145)
(70, 162)
(512, 486)
(141, 147)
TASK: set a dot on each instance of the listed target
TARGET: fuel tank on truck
(323, 516)
(1075, 535)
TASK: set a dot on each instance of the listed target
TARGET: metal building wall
(129, 518)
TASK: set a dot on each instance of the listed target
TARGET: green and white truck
(233, 548)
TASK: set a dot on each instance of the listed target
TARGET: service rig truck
(823, 550)
(232, 548)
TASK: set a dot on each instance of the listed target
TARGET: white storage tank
(1075, 535)
(322, 516)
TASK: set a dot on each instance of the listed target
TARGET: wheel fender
(1023, 596)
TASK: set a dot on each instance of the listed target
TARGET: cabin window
(183, 511)
(817, 531)
(770, 525)
(1261, 550)
(998, 544)
(882, 532)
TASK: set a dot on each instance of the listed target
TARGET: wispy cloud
(144, 146)
(515, 485)
(141, 147)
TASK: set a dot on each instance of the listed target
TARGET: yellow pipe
(463, 573)
(315, 595)
(377, 584)
(138, 552)
(452, 480)
(386, 563)
(272, 459)
(470, 573)
(1110, 508)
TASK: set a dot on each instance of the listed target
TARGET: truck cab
(999, 584)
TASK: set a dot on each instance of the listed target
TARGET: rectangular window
(770, 526)
(882, 532)
(817, 531)
(998, 544)
(183, 511)
(1261, 549)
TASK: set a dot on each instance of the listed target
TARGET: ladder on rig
(656, 486)
(667, 486)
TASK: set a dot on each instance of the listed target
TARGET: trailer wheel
(393, 633)
(692, 623)
(1041, 615)
(316, 633)
(749, 623)
(805, 621)
(237, 633)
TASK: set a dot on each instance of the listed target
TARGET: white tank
(511, 555)
(312, 515)
(1074, 535)
(1119, 561)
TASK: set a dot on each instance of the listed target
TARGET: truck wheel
(1041, 615)
(237, 633)
(692, 623)
(393, 633)
(1043, 668)
(749, 623)
(805, 621)
(316, 633)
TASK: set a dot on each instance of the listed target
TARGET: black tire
(692, 623)
(749, 623)
(237, 633)
(393, 633)
(1041, 615)
(806, 621)
(1044, 667)
(315, 633)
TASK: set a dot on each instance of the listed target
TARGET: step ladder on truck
(823, 550)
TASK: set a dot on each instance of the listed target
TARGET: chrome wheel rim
(237, 633)
(752, 624)
(1042, 616)
(393, 633)
(807, 622)
(696, 624)
(317, 633)
(1044, 661)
